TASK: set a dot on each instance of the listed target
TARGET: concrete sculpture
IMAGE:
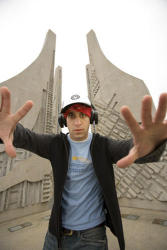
(143, 186)
(26, 181)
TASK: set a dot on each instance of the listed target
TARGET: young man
(85, 197)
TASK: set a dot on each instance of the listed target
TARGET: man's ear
(94, 116)
(62, 121)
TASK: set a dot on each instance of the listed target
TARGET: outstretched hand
(148, 135)
(8, 121)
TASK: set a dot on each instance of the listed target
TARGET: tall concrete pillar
(57, 99)
(142, 186)
(26, 181)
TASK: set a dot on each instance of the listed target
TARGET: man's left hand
(148, 135)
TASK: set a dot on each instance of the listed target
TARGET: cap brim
(67, 107)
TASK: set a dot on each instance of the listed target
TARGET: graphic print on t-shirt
(81, 159)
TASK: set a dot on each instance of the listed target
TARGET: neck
(78, 140)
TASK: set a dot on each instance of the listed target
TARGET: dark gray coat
(104, 151)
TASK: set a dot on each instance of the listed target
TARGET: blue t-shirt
(82, 201)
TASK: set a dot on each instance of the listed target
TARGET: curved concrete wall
(29, 84)
(142, 186)
(26, 181)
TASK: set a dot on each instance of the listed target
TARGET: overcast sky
(131, 33)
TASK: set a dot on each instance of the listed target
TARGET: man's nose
(77, 121)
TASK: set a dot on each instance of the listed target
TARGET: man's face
(78, 125)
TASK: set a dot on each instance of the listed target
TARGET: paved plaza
(144, 230)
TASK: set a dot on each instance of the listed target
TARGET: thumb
(9, 148)
(129, 159)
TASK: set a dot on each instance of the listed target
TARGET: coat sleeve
(154, 156)
(34, 142)
(119, 149)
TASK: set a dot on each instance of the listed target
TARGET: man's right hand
(9, 121)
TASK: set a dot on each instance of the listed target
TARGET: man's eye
(71, 115)
(82, 115)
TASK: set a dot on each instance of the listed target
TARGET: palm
(148, 135)
(8, 121)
